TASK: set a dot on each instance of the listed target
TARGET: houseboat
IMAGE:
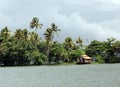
(84, 59)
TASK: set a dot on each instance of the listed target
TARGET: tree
(25, 34)
(96, 48)
(34, 24)
(69, 46)
(108, 49)
(79, 41)
(55, 52)
(110, 41)
(49, 35)
(48, 39)
(5, 33)
(54, 29)
(103, 51)
(19, 34)
(34, 38)
(116, 50)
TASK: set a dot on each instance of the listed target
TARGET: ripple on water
(103, 75)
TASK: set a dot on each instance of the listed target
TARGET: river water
(101, 75)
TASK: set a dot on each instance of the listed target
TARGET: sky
(89, 19)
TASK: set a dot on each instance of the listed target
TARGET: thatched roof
(85, 57)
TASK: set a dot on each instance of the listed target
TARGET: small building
(84, 59)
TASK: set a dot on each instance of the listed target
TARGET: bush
(114, 60)
(99, 59)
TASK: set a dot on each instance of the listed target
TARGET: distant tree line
(104, 51)
(26, 48)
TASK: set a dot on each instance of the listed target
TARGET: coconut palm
(19, 34)
(48, 38)
(49, 35)
(69, 46)
(5, 33)
(34, 38)
(68, 43)
(35, 23)
(25, 34)
(54, 28)
(79, 41)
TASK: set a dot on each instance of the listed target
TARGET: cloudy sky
(89, 19)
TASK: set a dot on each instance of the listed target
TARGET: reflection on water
(103, 75)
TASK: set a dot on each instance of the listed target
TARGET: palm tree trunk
(48, 52)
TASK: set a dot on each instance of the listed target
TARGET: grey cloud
(88, 19)
(95, 11)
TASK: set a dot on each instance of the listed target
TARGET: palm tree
(49, 35)
(25, 34)
(48, 38)
(69, 46)
(110, 41)
(54, 28)
(5, 33)
(19, 34)
(68, 43)
(35, 23)
(34, 38)
(79, 41)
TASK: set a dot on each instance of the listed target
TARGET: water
(103, 75)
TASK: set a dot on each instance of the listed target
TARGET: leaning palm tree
(48, 38)
(49, 35)
(34, 24)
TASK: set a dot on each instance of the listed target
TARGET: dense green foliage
(26, 48)
(104, 51)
